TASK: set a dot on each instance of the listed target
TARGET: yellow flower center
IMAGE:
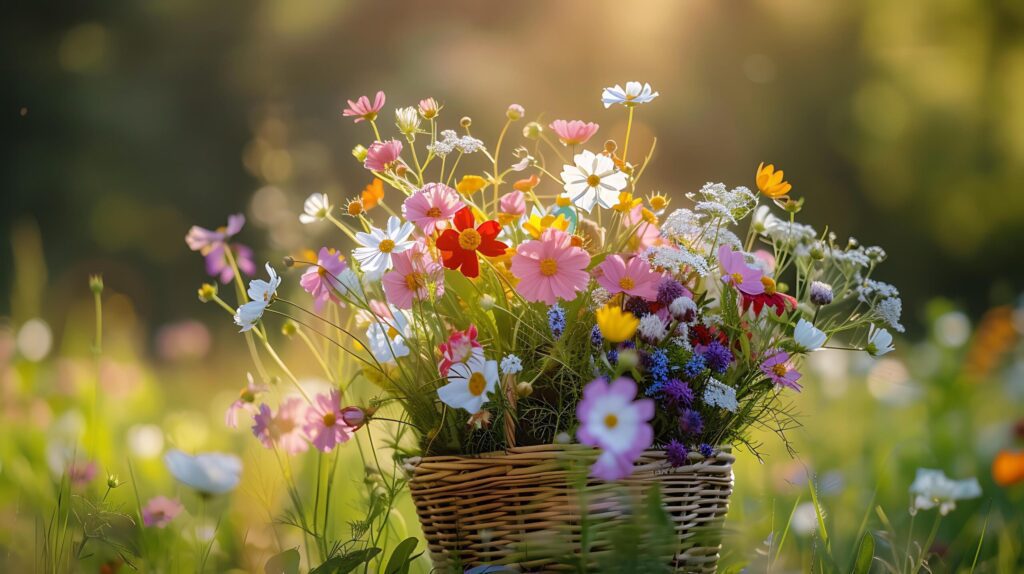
(330, 419)
(247, 395)
(780, 370)
(593, 180)
(434, 212)
(469, 239)
(386, 245)
(562, 201)
(477, 384)
(737, 278)
(548, 267)
(354, 208)
(626, 283)
(392, 333)
(769, 285)
(659, 202)
(414, 281)
(321, 271)
(611, 421)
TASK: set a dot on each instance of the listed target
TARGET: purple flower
(595, 336)
(325, 422)
(691, 423)
(694, 367)
(638, 306)
(217, 264)
(718, 357)
(777, 368)
(706, 451)
(613, 421)
(737, 273)
(678, 393)
(321, 280)
(676, 452)
(669, 290)
(160, 511)
(284, 428)
(203, 240)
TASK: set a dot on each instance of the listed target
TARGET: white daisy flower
(808, 337)
(261, 294)
(208, 473)
(635, 93)
(719, 394)
(317, 207)
(933, 488)
(374, 256)
(593, 180)
(469, 383)
(879, 342)
(386, 336)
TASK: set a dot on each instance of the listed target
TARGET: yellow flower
(626, 202)
(770, 182)
(648, 216)
(615, 324)
(470, 184)
(562, 201)
(658, 201)
(537, 224)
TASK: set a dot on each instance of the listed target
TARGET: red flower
(459, 246)
(770, 298)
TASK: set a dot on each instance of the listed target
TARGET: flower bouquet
(525, 312)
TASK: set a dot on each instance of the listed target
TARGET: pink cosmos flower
(646, 235)
(458, 349)
(81, 472)
(217, 264)
(737, 273)
(429, 108)
(321, 280)
(633, 278)
(325, 422)
(777, 368)
(612, 421)
(550, 268)
(284, 428)
(246, 401)
(203, 240)
(512, 203)
(574, 132)
(431, 207)
(412, 275)
(362, 110)
(160, 511)
(382, 155)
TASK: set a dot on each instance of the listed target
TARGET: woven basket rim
(723, 453)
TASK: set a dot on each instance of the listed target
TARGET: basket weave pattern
(490, 509)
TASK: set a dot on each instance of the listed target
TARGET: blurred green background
(902, 123)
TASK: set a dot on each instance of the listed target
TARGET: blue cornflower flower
(718, 357)
(669, 290)
(556, 321)
(676, 453)
(595, 336)
(678, 393)
(656, 363)
(706, 450)
(613, 357)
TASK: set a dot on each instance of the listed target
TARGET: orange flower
(1008, 468)
(770, 182)
(470, 184)
(526, 185)
(372, 194)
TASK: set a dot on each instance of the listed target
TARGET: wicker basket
(501, 508)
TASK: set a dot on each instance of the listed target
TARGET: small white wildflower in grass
(209, 473)
(407, 120)
(386, 336)
(378, 245)
(889, 310)
(316, 208)
(933, 488)
(634, 93)
(718, 394)
(511, 365)
(261, 294)
(808, 337)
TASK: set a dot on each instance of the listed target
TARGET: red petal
(470, 265)
(489, 229)
(464, 218)
(492, 248)
(448, 241)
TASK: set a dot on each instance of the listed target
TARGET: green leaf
(286, 562)
(400, 559)
(343, 564)
(865, 555)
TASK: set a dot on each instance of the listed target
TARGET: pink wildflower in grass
(246, 401)
(778, 369)
(634, 277)
(81, 472)
(458, 349)
(382, 155)
(611, 420)
(430, 208)
(160, 511)
(363, 110)
(512, 204)
(282, 429)
(218, 266)
(322, 280)
(413, 276)
(550, 268)
(325, 422)
(574, 132)
(736, 271)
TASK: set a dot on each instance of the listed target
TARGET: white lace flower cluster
(451, 142)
